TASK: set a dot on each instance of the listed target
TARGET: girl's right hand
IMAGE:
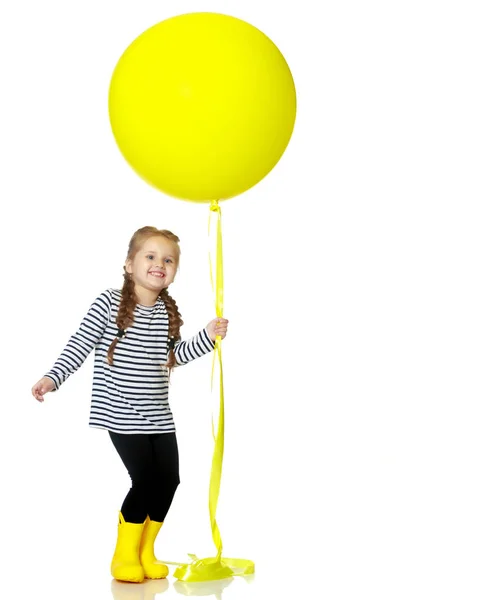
(42, 387)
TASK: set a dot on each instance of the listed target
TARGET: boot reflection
(138, 591)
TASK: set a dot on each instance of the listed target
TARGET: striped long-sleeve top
(130, 396)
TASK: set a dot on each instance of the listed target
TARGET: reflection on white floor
(150, 587)
(138, 591)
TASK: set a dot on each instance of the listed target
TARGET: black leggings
(152, 462)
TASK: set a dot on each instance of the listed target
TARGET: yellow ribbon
(208, 569)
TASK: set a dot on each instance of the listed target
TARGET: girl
(136, 336)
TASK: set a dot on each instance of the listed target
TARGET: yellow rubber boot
(125, 565)
(153, 569)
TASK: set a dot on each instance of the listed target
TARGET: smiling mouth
(157, 274)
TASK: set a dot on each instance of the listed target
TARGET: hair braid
(174, 323)
(127, 305)
(129, 300)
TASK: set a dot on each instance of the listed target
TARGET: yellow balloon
(202, 106)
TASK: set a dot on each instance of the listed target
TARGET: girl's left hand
(216, 327)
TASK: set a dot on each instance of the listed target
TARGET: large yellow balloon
(202, 106)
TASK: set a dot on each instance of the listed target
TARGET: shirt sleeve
(83, 341)
(195, 347)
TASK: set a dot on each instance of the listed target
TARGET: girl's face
(154, 265)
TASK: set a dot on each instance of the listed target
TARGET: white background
(351, 461)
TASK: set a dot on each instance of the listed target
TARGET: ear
(128, 266)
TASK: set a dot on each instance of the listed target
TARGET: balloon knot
(214, 206)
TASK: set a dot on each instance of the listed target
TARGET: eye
(169, 260)
(150, 256)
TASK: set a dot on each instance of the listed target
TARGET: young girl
(136, 336)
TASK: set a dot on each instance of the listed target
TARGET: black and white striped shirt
(130, 396)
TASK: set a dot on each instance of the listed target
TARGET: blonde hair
(129, 299)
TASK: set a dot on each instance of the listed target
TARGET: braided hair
(129, 299)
